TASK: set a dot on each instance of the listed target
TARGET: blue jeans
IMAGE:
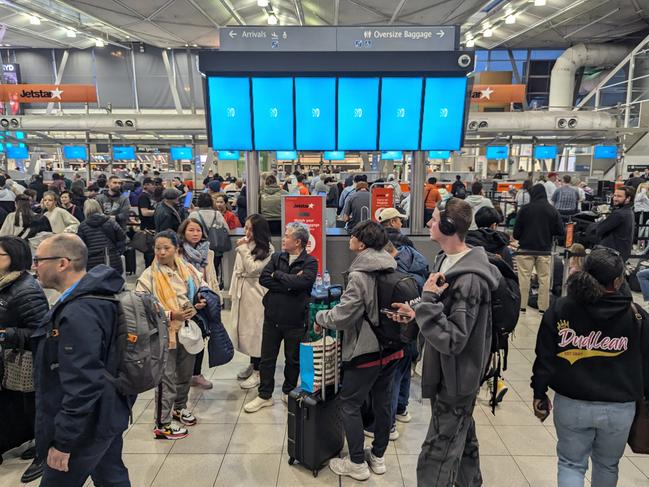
(598, 430)
(643, 280)
(401, 387)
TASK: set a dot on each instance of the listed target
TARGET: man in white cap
(391, 218)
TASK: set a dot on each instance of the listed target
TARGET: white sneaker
(345, 466)
(252, 381)
(404, 418)
(245, 373)
(258, 403)
(394, 434)
(377, 464)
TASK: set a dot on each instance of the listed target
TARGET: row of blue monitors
(336, 113)
(540, 152)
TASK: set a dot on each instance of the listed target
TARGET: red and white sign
(309, 210)
(381, 197)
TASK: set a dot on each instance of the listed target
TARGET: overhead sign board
(28, 93)
(411, 38)
(498, 94)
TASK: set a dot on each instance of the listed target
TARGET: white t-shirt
(451, 260)
(292, 258)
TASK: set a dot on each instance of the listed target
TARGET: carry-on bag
(315, 429)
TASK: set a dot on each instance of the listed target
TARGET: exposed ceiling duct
(562, 80)
(539, 122)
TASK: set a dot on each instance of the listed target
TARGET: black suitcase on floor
(315, 429)
(131, 266)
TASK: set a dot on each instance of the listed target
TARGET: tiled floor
(231, 448)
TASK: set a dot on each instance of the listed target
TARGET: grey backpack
(142, 341)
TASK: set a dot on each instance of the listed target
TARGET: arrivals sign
(498, 94)
(309, 210)
(381, 197)
(28, 93)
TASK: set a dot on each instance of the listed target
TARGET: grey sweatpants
(173, 391)
(449, 455)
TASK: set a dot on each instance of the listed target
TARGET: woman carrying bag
(592, 349)
(175, 284)
(22, 307)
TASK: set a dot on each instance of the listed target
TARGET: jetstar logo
(54, 94)
(29, 93)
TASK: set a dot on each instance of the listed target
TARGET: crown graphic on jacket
(563, 324)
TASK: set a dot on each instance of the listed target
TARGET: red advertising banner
(22, 93)
(381, 197)
(309, 210)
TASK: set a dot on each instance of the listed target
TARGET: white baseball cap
(390, 213)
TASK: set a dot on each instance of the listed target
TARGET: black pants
(357, 384)
(148, 258)
(198, 365)
(270, 342)
(101, 460)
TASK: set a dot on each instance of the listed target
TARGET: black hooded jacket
(75, 403)
(101, 233)
(616, 231)
(537, 222)
(493, 241)
(592, 352)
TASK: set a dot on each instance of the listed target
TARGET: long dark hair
(260, 235)
(183, 228)
(597, 277)
(24, 214)
(18, 251)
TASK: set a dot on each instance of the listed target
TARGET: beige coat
(62, 221)
(247, 308)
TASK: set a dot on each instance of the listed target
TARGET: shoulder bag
(219, 238)
(18, 371)
(639, 433)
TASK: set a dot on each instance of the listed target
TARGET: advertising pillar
(309, 210)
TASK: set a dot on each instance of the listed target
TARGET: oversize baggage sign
(309, 210)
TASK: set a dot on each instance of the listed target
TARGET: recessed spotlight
(272, 19)
(539, 3)
(34, 20)
(70, 33)
(488, 32)
(99, 42)
(262, 3)
(511, 19)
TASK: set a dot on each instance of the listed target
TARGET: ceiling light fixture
(262, 3)
(488, 32)
(511, 19)
(70, 33)
(272, 19)
(470, 43)
(539, 3)
(99, 43)
(34, 20)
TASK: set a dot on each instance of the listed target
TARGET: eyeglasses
(41, 259)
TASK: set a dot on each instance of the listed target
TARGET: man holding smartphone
(454, 317)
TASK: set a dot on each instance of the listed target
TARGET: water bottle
(326, 281)
(318, 282)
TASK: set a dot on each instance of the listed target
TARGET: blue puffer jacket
(75, 403)
(410, 261)
(219, 347)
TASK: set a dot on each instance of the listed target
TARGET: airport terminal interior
(326, 114)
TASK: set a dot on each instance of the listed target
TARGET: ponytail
(583, 287)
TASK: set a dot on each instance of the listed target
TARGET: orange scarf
(162, 287)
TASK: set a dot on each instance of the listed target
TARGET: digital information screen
(78, 152)
(315, 113)
(400, 113)
(545, 152)
(124, 153)
(17, 151)
(286, 155)
(229, 155)
(229, 112)
(443, 122)
(272, 111)
(605, 152)
(335, 155)
(439, 154)
(392, 155)
(181, 154)
(358, 110)
(497, 152)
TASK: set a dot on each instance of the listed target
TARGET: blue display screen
(443, 121)
(605, 152)
(2, 147)
(439, 154)
(392, 155)
(17, 152)
(18, 135)
(286, 155)
(75, 152)
(315, 113)
(124, 153)
(335, 155)
(497, 152)
(229, 112)
(358, 110)
(272, 107)
(400, 113)
(181, 154)
(545, 152)
(229, 155)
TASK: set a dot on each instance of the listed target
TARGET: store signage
(498, 94)
(381, 197)
(28, 93)
(429, 38)
(309, 210)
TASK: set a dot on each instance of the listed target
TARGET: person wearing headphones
(454, 317)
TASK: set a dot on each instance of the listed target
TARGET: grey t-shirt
(354, 208)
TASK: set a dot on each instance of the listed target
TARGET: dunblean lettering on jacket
(592, 341)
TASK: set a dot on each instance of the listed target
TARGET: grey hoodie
(477, 201)
(359, 295)
(457, 327)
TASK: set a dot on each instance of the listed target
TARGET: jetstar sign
(48, 93)
(498, 93)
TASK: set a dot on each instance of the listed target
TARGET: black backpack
(394, 287)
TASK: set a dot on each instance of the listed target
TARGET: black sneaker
(170, 432)
(33, 472)
(523, 310)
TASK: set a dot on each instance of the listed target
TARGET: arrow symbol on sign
(232, 34)
(441, 34)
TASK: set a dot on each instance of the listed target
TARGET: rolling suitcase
(315, 430)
